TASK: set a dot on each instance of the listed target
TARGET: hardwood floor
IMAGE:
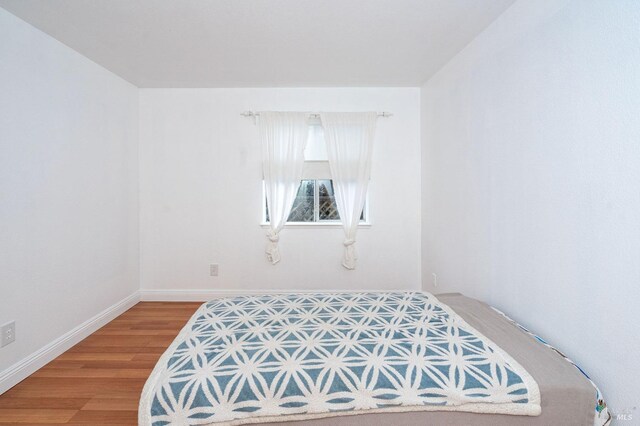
(98, 381)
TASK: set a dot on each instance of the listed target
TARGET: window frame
(366, 223)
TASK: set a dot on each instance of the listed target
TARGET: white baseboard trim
(171, 295)
(189, 295)
(24, 368)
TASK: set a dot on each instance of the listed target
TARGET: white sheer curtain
(349, 138)
(283, 136)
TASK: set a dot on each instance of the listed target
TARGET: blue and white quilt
(301, 356)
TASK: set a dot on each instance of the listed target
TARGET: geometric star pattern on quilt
(292, 354)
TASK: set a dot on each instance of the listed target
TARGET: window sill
(316, 225)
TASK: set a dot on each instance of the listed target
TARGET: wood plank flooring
(99, 381)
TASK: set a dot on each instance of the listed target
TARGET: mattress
(540, 378)
(568, 398)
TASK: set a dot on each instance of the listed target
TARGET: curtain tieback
(349, 260)
(273, 253)
(273, 237)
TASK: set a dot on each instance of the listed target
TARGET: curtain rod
(311, 114)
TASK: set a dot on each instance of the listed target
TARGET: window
(315, 201)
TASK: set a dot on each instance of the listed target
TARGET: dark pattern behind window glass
(327, 201)
(302, 210)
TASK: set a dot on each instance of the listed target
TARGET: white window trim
(327, 224)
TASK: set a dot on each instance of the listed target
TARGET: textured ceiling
(254, 43)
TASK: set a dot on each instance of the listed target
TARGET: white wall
(531, 179)
(201, 194)
(68, 188)
(530, 199)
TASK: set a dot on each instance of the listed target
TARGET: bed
(325, 359)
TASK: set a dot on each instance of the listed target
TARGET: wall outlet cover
(213, 269)
(8, 331)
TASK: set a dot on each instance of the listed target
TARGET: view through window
(315, 202)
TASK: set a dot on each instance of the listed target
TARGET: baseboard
(188, 295)
(171, 295)
(22, 369)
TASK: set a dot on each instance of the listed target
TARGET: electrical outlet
(8, 333)
(435, 279)
(213, 269)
